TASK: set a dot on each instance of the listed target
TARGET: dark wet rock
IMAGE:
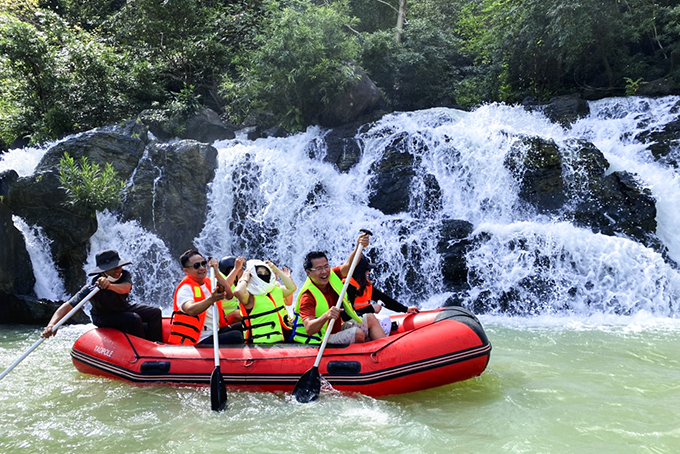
(207, 127)
(16, 271)
(537, 165)
(168, 195)
(358, 99)
(454, 243)
(26, 310)
(565, 110)
(659, 87)
(664, 144)
(121, 146)
(393, 175)
(7, 179)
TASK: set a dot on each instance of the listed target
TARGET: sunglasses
(197, 265)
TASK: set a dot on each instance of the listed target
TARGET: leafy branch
(88, 186)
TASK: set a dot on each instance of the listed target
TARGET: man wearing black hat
(110, 306)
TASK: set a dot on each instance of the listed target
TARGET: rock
(454, 242)
(566, 109)
(121, 146)
(7, 179)
(39, 200)
(31, 311)
(207, 127)
(16, 271)
(168, 195)
(537, 166)
(342, 147)
(394, 173)
(664, 144)
(358, 98)
(660, 87)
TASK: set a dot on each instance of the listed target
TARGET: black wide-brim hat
(107, 260)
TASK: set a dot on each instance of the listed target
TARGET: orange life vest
(363, 300)
(185, 328)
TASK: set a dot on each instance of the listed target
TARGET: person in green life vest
(317, 300)
(231, 269)
(262, 306)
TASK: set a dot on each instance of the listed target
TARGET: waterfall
(277, 199)
(153, 270)
(48, 285)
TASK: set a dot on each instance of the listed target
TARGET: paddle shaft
(216, 340)
(357, 256)
(56, 326)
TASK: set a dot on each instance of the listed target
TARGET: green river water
(552, 386)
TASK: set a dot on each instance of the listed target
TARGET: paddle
(308, 387)
(56, 326)
(218, 391)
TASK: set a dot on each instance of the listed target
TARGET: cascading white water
(581, 272)
(277, 199)
(48, 284)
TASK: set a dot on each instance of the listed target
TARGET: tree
(301, 62)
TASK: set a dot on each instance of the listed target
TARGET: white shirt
(185, 294)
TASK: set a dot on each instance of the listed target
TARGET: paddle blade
(308, 387)
(218, 391)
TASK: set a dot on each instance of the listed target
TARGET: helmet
(227, 264)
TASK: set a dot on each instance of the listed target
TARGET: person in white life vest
(262, 302)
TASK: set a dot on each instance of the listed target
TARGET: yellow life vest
(299, 333)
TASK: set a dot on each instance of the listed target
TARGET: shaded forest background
(73, 65)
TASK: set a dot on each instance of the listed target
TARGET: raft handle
(155, 367)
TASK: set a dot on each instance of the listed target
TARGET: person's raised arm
(233, 274)
(289, 285)
(241, 291)
(364, 240)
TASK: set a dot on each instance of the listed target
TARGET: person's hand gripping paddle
(308, 387)
(218, 391)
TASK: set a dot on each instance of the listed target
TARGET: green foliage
(632, 86)
(301, 62)
(59, 80)
(545, 47)
(89, 187)
(72, 65)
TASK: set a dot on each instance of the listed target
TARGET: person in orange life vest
(319, 271)
(191, 322)
(366, 298)
(263, 302)
(110, 306)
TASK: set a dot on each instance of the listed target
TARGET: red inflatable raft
(424, 350)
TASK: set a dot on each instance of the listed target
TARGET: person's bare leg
(375, 331)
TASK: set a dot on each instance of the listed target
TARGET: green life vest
(264, 324)
(299, 333)
(231, 305)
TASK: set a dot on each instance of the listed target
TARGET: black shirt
(104, 302)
